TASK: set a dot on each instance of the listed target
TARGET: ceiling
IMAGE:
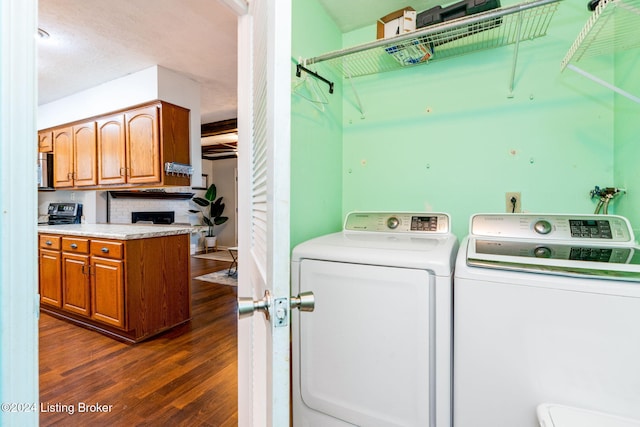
(95, 41)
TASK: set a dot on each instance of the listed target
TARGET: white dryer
(376, 351)
(546, 312)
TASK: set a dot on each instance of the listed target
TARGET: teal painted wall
(316, 130)
(627, 137)
(446, 137)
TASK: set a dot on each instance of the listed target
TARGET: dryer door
(363, 356)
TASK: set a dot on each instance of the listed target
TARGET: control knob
(542, 227)
(393, 222)
(542, 252)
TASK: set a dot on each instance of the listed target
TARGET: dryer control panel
(398, 222)
(594, 228)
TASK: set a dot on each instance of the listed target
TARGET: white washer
(376, 351)
(546, 310)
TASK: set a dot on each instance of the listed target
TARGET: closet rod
(300, 68)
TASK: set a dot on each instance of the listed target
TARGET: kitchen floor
(186, 376)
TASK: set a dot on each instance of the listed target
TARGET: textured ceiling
(95, 41)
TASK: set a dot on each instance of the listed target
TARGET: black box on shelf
(463, 8)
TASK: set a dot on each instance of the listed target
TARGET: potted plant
(211, 209)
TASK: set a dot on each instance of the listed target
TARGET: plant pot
(210, 241)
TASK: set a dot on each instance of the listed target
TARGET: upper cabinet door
(45, 141)
(143, 145)
(63, 157)
(111, 150)
(84, 142)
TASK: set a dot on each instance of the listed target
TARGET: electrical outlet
(509, 202)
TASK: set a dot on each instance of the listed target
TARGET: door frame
(19, 298)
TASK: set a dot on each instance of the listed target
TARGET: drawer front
(75, 244)
(107, 249)
(48, 241)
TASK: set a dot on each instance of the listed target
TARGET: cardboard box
(396, 23)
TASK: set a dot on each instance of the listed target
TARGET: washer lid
(569, 259)
(552, 415)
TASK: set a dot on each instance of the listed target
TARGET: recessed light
(42, 34)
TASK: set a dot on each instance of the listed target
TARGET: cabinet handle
(48, 242)
(123, 171)
(74, 246)
(105, 250)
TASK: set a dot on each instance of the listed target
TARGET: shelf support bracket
(604, 83)
(515, 55)
(355, 92)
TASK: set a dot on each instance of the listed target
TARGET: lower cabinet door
(75, 279)
(50, 284)
(107, 296)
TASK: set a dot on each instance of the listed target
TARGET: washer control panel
(531, 249)
(398, 222)
(600, 228)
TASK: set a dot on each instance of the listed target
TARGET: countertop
(116, 231)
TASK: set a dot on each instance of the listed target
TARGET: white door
(264, 68)
(372, 369)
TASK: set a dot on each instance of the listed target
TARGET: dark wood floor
(184, 377)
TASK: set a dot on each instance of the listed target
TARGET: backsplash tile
(120, 208)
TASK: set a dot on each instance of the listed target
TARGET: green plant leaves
(216, 208)
(211, 193)
(200, 201)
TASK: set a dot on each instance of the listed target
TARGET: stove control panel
(65, 209)
(398, 222)
(595, 228)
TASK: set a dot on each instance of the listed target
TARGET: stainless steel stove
(64, 213)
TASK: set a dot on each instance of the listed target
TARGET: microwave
(45, 171)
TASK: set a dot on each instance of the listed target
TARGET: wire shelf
(613, 27)
(487, 30)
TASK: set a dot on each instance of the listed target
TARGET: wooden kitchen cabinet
(45, 141)
(50, 270)
(124, 149)
(93, 284)
(75, 284)
(116, 286)
(84, 154)
(74, 156)
(83, 282)
(143, 145)
(134, 145)
(107, 282)
(63, 157)
(76, 276)
(111, 150)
